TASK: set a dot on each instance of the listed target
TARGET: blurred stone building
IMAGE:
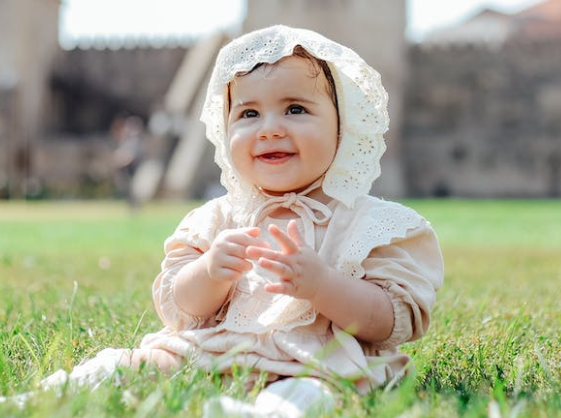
(28, 49)
(471, 116)
(484, 122)
(483, 107)
(492, 27)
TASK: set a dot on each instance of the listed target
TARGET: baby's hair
(299, 51)
(319, 66)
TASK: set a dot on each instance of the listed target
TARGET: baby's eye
(249, 113)
(295, 110)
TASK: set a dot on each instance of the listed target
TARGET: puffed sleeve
(410, 269)
(190, 240)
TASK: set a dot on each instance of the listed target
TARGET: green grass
(76, 277)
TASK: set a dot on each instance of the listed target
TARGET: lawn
(75, 277)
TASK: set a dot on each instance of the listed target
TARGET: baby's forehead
(296, 74)
(294, 62)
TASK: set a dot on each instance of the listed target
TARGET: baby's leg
(288, 398)
(89, 373)
(101, 367)
(163, 360)
(92, 372)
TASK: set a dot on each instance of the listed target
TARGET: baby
(297, 272)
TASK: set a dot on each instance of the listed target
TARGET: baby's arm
(361, 307)
(201, 287)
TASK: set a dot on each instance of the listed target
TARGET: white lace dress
(382, 242)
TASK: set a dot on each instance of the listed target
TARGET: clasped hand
(299, 268)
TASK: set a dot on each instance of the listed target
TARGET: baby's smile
(275, 157)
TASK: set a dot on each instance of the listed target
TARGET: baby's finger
(252, 231)
(254, 253)
(235, 263)
(281, 269)
(294, 233)
(231, 270)
(287, 245)
(228, 249)
(232, 248)
(285, 288)
(250, 237)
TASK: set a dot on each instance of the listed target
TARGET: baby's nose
(271, 127)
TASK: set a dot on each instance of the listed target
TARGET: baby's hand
(298, 266)
(226, 258)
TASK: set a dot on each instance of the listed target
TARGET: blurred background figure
(127, 133)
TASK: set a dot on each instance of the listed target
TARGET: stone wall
(484, 122)
(92, 86)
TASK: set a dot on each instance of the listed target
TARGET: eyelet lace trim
(374, 227)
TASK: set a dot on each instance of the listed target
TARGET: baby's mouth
(276, 156)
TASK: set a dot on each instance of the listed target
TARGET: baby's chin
(280, 188)
(276, 192)
(316, 193)
(282, 191)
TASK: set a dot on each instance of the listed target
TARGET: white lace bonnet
(361, 98)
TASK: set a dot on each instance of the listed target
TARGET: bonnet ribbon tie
(309, 210)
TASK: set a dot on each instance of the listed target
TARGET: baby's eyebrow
(299, 99)
(290, 99)
(244, 104)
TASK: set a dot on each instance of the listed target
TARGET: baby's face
(282, 125)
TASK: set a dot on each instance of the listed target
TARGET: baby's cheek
(235, 148)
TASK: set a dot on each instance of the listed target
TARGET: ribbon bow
(309, 210)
